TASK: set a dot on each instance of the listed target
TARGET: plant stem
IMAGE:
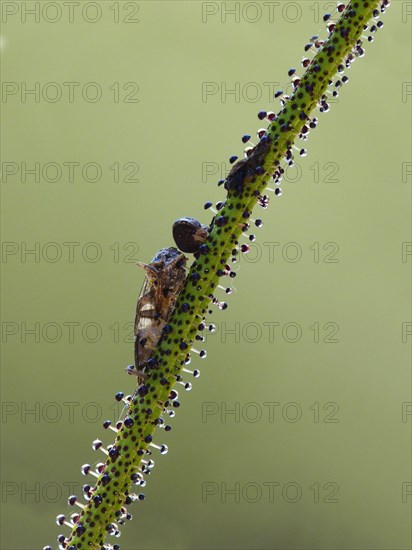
(245, 183)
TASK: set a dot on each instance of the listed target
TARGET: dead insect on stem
(189, 234)
(165, 276)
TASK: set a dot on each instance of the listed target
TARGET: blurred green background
(297, 434)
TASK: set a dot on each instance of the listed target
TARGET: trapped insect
(165, 276)
(189, 234)
(248, 168)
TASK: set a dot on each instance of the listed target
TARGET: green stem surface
(248, 179)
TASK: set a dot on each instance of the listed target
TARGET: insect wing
(164, 280)
(145, 313)
(143, 306)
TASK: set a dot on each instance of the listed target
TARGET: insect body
(189, 234)
(247, 168)
(165, 276)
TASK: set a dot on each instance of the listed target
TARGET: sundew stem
(128, 460)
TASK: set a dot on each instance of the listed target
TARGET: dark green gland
(152, 363)
(80, 530)
(105, 479)
(114, 453)
(221, 221)
(143, 390)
